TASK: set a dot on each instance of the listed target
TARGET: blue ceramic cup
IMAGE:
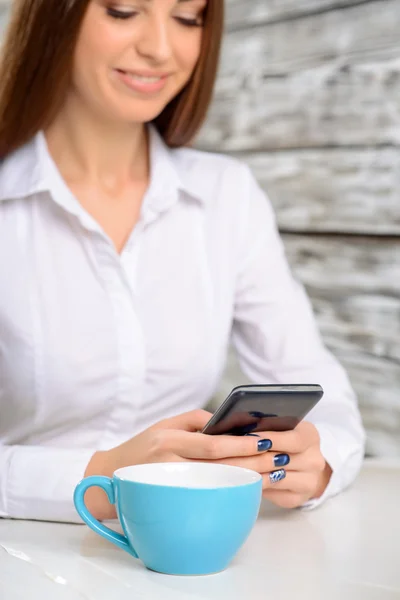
(179, 518)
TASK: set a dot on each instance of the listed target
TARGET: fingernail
(276, 476)
(281, 460)
(264, 445)
(252, 435)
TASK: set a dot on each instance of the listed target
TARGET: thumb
(193, 421)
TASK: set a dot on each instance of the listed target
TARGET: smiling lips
(144, 83)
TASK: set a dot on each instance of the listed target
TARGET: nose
(155, 40)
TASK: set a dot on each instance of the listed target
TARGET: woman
(129, 260)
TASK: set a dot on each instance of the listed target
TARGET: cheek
(94, 50)
(97, 51)
(188, 53)
(99, 43)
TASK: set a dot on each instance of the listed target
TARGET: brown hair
(36, 65)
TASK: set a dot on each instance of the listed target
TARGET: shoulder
(19, 172)
(236, 206)
(215, 177)
(209, 160)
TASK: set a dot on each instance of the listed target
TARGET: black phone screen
(249, 409)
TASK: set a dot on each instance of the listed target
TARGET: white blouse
(96, 346)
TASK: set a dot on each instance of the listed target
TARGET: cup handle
(106, 484)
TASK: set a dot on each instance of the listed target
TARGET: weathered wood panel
(314, 82)
(242, 14)
(364, 33)
(355, 287)
(377, 385)
(338, 190)
(334, 105)
(4, 13)
(326, 86)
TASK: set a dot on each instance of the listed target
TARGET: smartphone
(252, 408)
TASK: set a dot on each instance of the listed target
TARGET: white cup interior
(188, 475)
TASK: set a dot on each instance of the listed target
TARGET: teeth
(144, 79)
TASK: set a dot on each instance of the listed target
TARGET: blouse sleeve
(38, 482)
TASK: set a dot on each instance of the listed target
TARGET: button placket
(120, 275)
(131, 350)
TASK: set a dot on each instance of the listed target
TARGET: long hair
(36, 65)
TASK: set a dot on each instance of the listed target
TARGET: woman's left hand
(294, 470)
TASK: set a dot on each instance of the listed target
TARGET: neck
(87, 148)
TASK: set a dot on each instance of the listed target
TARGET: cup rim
(254, 476)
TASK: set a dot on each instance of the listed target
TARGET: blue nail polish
(252, 435)
(276, 476)
(264, 445)
(281, 460)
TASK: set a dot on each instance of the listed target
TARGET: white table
(348, 549)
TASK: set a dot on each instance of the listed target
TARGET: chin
(138, 116)
(137, 112)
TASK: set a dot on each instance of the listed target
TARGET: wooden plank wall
(309, 96)
(4, 9)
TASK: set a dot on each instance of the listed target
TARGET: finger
(194, 420)
(295, 441)
(292, 481)
(308, 461)
(212, 447)
(264, 463)
(285, 499)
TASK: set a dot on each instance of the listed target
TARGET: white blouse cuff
(39, 482)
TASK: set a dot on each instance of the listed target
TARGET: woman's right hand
(171, 440)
